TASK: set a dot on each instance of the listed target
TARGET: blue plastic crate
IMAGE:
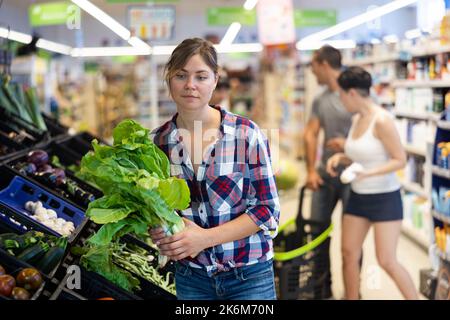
(19, 191)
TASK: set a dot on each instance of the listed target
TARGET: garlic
(29, 205)
(52, 214)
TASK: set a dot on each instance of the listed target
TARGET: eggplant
(46, 168)
(38, 157)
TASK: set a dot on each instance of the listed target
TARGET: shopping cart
(302, 259)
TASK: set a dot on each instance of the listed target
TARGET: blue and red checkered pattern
(234, 178)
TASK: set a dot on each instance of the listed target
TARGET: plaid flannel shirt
(236, 178)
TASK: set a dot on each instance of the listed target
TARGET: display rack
(441, 179)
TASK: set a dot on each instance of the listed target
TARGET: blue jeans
(255, 282)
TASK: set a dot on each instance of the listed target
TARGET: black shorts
(376, 207)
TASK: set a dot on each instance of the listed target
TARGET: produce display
(134, 175)
(21, 102)
(37, 166)
(35, 248)
(49, 218)
(22, 286)
(138, 261)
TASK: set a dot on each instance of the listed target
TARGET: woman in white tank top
(375, 199)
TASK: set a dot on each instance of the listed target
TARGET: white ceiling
(190, 19)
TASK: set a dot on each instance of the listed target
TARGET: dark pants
(325, 199)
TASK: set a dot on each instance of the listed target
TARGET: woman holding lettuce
(225, 250)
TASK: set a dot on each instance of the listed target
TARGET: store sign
(315, 18)
(152, 23)
(276, 22)
(226, 15)
(54, 13)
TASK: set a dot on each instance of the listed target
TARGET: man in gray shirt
(329, 114)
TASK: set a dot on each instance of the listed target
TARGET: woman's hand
(332, 163)
(188, 242)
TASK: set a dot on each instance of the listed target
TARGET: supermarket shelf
(444, 125)
(415, 235)
(421, 84)
(444, 173)
(415, 188)
(433, 116)
(415, 150)
(440, 216)
(372, 60)
(430, 51)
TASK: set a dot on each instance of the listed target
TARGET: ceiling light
(358, 20)
(138, 43)
(250, 4)
(413, 34)
(239, 47)
(231, 33)
(338, 44)
(104, 18)
(163, 50)
(16, 36)
(108, 52)
(392, 38)
(53, 46)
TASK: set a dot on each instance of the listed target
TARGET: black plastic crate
(79, 202)
(54, 127)
(12, 267)
(149, 290)
(81, 143)
(18, 124)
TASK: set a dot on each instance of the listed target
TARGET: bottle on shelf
(445, 25)
(438, 101)
(431, 69)
(447, 105)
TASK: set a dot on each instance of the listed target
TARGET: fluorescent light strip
(392, 38)
(108, 52)
(53, 46)
(239, 47)
(250, 4)
(338, 44)
(413, 34)
(231, 33)
(16, 36)
(375, 41)
(358, 20)
(139, 44)
(104, 18)
(163, 50)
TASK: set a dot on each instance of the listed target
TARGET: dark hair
(356, 78)
(329, 54)
(185, 50)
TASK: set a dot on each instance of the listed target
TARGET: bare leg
(354, 231)
(386, 239)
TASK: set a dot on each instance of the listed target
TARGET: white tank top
(370, 153)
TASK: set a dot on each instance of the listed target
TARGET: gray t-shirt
(334, 119)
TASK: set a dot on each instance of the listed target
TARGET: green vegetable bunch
(134, 175)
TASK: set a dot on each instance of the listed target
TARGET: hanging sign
(315, 18)
(53, 13)
(152, 23)
(224, 16)
(275, 21)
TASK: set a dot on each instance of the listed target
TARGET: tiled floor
(375, 282)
